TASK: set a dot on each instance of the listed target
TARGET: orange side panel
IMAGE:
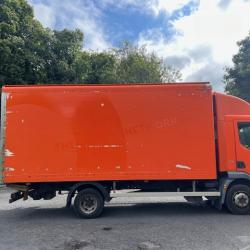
(119, 132)
(226, 141)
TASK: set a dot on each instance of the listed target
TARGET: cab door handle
(241, 164)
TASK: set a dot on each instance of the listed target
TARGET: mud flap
(224, 184)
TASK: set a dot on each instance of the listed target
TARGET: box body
(108, 132)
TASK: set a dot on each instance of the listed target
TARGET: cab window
(244, 133)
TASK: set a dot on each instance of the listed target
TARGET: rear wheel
(238, 199)
(88, 203)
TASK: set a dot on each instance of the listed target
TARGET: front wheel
(238, 199)
(88, 203)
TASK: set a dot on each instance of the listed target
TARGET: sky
(198, 37)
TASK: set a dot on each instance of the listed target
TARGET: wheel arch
(239, 181)
(231, 179)
(82, 185)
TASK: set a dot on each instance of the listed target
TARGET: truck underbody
(213, 191)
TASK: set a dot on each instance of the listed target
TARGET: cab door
(242, 145)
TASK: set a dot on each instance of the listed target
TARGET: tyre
(238, 199)
(88, 203)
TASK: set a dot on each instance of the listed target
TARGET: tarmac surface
(155, 223)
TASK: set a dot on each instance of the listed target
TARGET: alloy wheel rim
(241, 199)
(88, 204)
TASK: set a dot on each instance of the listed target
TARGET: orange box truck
(146, 139)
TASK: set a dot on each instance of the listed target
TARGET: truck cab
(232, 116)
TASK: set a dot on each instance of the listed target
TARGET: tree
(237, 77)
(32, 54)
(22, 42)
(63, 56)
(101, 67)
(128, 64)
(136, 65)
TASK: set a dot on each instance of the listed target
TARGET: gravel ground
(162, 223)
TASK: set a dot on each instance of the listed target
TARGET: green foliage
(136, 65)
(101, 68)
(64, 48)
(237, 77)
(31, 54)
(128, 64)
(21, 43)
